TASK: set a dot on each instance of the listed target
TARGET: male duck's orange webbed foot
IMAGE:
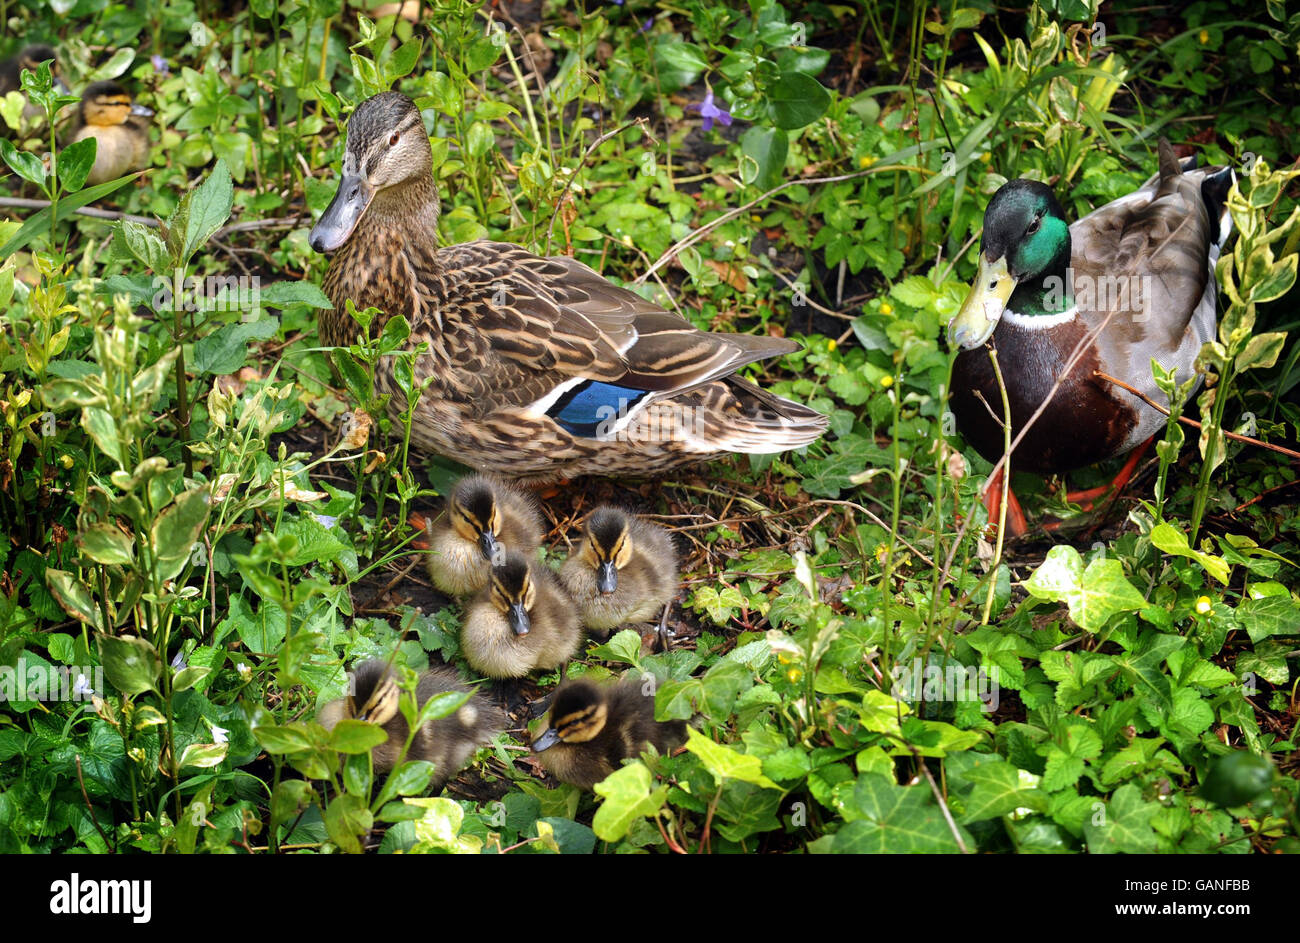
(1016, 524)
(1088, 497)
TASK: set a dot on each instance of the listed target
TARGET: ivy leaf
(1093, 594)
(894, 819)
(1170, 539)
(998, 790)
(1124, 825)
(628, 797)
(724, 762)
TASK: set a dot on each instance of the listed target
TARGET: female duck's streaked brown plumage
(484, 518)
(447, 742)
(540, 367)
(521, 622)
(593, 728)
(120, 128)
(624, 571)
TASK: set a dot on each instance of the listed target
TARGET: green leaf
(203, 755)
(24, 163)
(187, 677)
(679, 64)
(143, 243)
(356, 736)
(624, 647)
(39, 222)
(1269, 616)
(795, 100)
(1093, 595)
(74, 597)
(131, 664)
(284, 293)
(724, 762)
(225, 350)
(104, 543)
(1170, 539)
(627, 798)
(208, 208)
(1065, 760)
(888, 818)
(75, 162)
(1261, 351)
(1124, 824)
(102, 428)
(439, 828)
(278, 739)
(764, 152)
(998, 790)
(177, 530)
(347, 819)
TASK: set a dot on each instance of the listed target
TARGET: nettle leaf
(285, 293)
(627, 798)
(894, 819)
(207, 207)
(1066, 756)
(1093, 594)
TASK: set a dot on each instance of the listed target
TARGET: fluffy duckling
(521, 622)
(485, 516)
(120, 127)
(11, 72)
(593, 728)
(625, 570)
(447, 743)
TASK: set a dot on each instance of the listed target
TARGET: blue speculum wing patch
(592, 408)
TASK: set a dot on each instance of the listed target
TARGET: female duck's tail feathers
(737, 416)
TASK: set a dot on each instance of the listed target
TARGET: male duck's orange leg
(1016, 524)
(1089, 496)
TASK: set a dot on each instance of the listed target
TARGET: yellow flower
(755, 218)
(1204, 36)
(66, 461)
(986, 156)
(1204, 606)
(784, 658)
(865, 161)
(794, 674)
(886, 381)
(831, 345)
(886, 308)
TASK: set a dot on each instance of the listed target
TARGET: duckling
(447, 743)
(109, 116)
(484, 517)
(11, 72)
(625, 570)
(593, 728)
(522, 621)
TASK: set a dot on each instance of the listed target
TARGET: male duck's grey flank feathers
(540, 367)
(1133, 281)
(447, 742)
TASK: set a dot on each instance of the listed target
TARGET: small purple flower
(645, 27)
(710, 111)
(160, 65)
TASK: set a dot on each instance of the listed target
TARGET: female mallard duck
(118, 126)
(624, 571)
(521, 622)
(593, 728)
(1130, 282)
(539, 368)
(484, 518)
(29, 58)
(447, 742)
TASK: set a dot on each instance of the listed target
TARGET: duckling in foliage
(521, 622)
(593, 728)
(485, 517)
(624, 571)
(119, 128)
(447, 742)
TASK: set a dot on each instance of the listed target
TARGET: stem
(1006, 485)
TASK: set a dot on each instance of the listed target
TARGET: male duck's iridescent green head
(387, 171)
(1025, 238)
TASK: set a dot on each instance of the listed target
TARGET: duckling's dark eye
(392, 141)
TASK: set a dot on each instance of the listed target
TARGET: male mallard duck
(593, 728)
(1132, 281)
(447, 742)
(624, 571)
(29, 58)
(521, 622)
(539, 367)
(484, 518)
(119, 126)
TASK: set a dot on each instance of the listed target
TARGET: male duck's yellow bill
(983, 307)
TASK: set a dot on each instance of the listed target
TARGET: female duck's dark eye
(393, 140)
(1033, 227)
